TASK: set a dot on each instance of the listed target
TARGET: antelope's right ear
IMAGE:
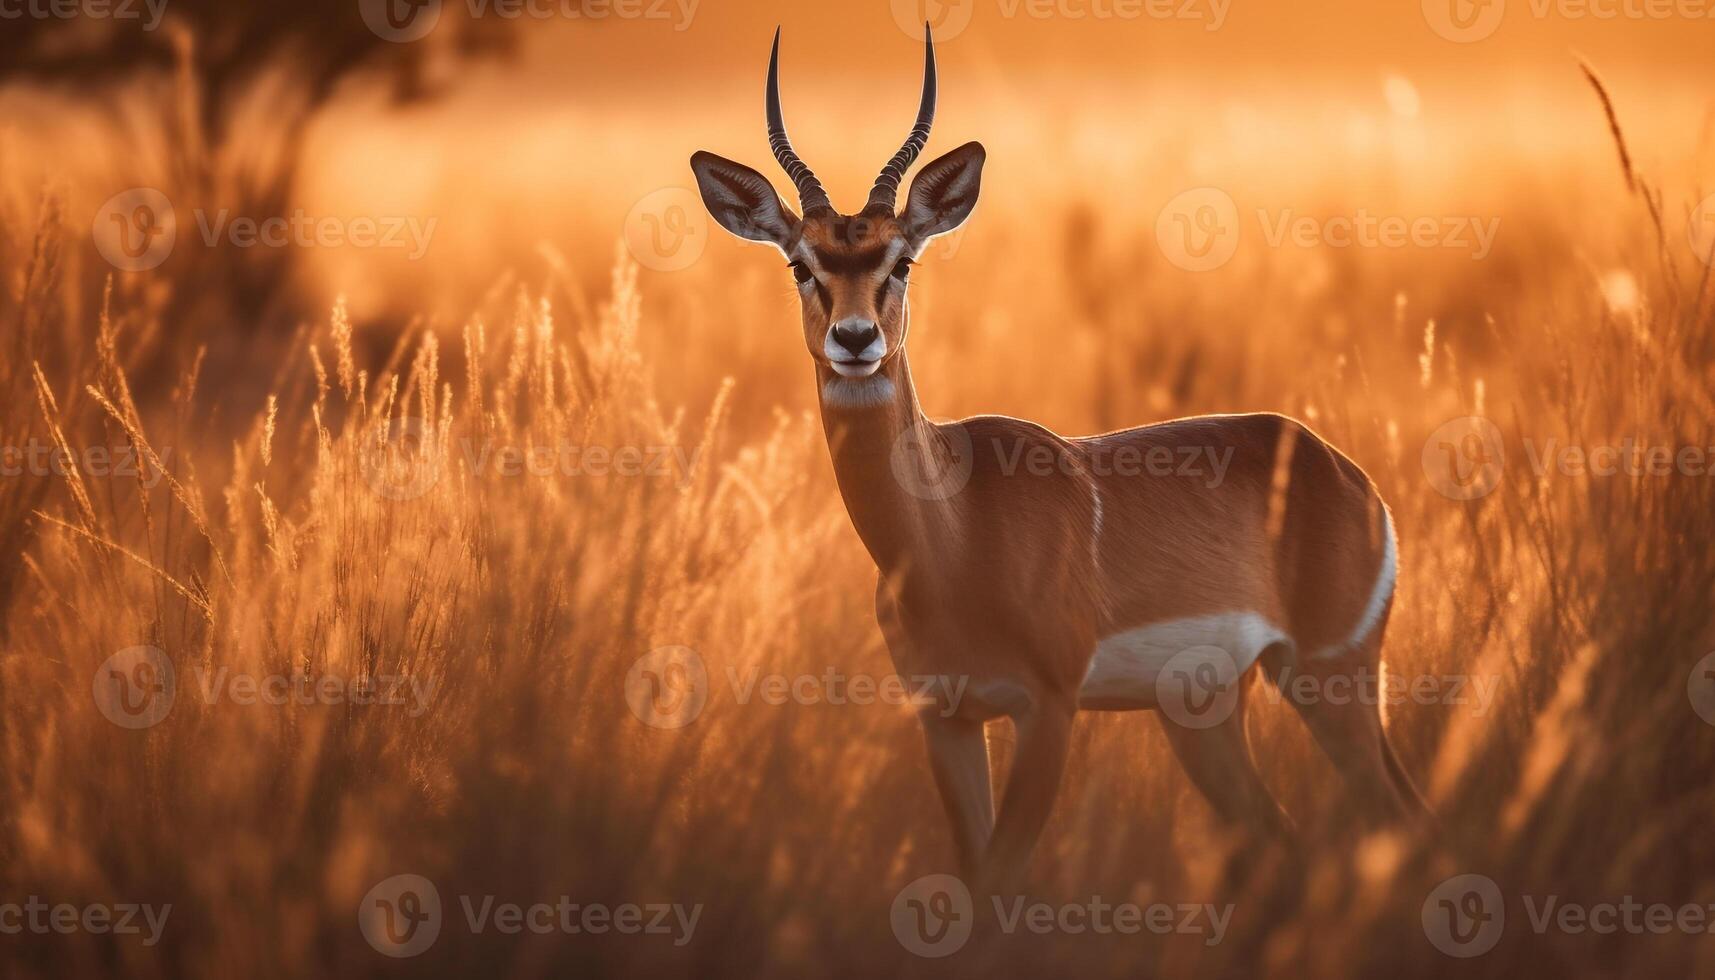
(742, 200)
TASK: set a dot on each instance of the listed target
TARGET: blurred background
(552, 127)
(488, 240)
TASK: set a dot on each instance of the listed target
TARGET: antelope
(1078, 584)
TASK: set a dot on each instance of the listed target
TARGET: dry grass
(520, 603)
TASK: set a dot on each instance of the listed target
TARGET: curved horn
(886, 189)
(811, 197)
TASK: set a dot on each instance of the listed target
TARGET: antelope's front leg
(959, 757)
(958, 750)
(1044, 735)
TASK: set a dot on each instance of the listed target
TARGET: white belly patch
(1129, 668)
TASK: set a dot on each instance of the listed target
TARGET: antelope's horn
(886, 190)
(811, 196)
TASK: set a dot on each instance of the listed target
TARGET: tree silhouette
(223, 57)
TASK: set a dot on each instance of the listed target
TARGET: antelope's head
(851, 271)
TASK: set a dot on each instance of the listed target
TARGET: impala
(1080, 583)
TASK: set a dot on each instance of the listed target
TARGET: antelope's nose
(855, 335)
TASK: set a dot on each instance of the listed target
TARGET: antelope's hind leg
(1218, 760)
(1349, 730)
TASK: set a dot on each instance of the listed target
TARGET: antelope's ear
(944, 192)
(742, 200)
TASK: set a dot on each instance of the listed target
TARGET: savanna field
(328, 560)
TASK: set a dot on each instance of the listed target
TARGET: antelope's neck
(897, 472)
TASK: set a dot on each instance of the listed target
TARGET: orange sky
(1293, 101)
(1290, 100)
(1097, 39)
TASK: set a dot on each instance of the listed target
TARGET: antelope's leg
(1044, 734)
(959, 757)
(1218, 760)
(1349, 731)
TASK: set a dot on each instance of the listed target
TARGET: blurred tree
(246, 80)
(231, 45)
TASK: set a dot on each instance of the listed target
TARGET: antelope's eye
(801, 273)
(902, 271)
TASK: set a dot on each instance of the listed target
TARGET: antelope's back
(1235, 513)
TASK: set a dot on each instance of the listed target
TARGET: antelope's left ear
(944, 192)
